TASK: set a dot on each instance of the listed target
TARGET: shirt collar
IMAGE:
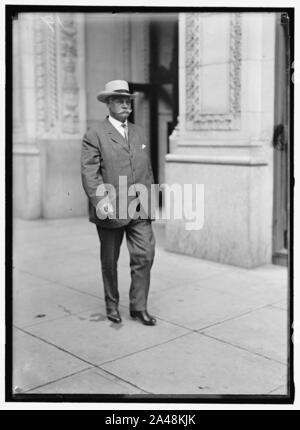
(117, 124)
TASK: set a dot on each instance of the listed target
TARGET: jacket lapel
(114, 135)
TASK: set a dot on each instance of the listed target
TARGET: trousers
(141, 246)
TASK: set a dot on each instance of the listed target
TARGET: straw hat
(115, 88)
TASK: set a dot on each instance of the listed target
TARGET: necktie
(125, 132)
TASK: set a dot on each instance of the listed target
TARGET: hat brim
(103, 95)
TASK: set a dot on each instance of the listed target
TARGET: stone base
(237, 226)
(47, 182)
(62, 193)
(26, 183)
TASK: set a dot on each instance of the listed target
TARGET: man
(111, 152)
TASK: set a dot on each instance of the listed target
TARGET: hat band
(121, 91)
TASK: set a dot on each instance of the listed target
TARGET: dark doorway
(162, 89)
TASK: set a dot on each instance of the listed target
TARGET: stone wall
(223, 139)
(49, 114)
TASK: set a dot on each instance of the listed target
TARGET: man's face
(119, 107)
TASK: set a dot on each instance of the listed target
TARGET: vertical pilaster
(26, 154)
(52, 94)
(223, 139)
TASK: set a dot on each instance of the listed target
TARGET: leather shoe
(114, 316)
(143, 316)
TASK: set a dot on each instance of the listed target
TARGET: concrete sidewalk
(220, 330)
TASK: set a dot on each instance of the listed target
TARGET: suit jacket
(106, 156)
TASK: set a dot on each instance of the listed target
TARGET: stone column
(50, 88)
(223, 139)
(26, 154)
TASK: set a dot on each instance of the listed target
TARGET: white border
(149, 406)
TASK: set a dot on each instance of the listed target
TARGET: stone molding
(195, 120)
(24, 149)
(69, 65)
(41, 87)
(216, 159)
(57, 65)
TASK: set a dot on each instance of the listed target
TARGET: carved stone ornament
(195, 119)
(56, 73)
(70, 86)
(41, 84)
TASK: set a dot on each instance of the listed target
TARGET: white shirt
(118, 125)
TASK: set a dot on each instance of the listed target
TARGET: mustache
(126, 111)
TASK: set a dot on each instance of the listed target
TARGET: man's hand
(105, 210)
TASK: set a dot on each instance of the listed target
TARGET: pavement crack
(277, 388)
(243, 349)
(58, 379)
(121, 379)
(55, 346)
(62, 284)
(143, 349)
(47, 280)
(231, 318)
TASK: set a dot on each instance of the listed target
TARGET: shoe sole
(114, 321)
(134, 317)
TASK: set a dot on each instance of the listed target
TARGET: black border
(11, 14)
